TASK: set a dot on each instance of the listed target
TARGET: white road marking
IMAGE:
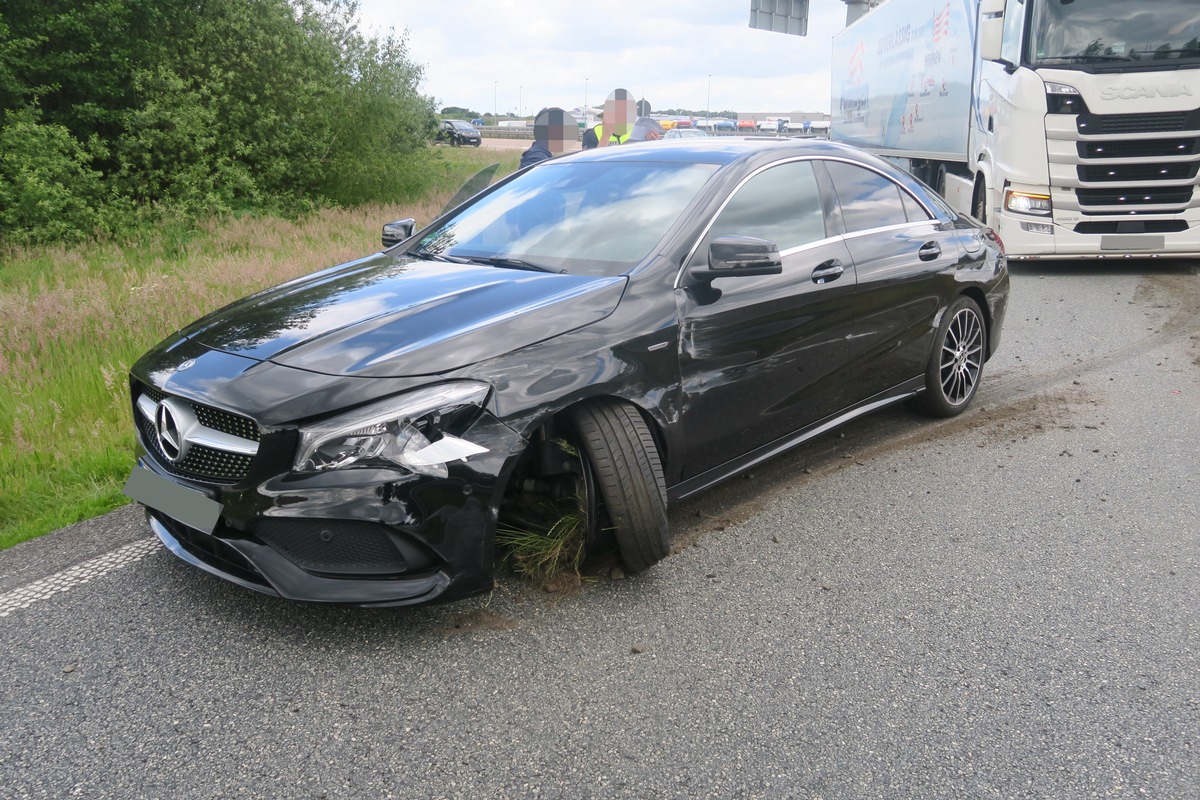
(77, 575)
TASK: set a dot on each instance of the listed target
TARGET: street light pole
(521, 100)
(495, 105)
(585, 105)
(708, 105)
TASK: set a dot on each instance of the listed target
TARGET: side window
(868, 199)
(1010, 45)
(915, 211)
(782, 204)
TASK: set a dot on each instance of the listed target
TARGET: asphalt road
(1002, 605)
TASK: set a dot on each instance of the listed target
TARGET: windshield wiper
(440, 257)
(1193, 50)
(515, 263)
(1089, 57)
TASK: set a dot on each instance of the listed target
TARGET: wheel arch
(980, 297)
(545, 424)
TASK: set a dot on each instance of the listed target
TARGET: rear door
(905, 259)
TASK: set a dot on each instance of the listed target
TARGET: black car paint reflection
(577, 296)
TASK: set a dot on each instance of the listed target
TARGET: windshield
(590, 218)
(462, 126)
(1113, 31)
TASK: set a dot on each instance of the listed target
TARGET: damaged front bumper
(355, 536)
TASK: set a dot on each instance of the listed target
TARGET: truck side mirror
(991, 28)
(396, 232)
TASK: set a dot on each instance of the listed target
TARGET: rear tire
(956, 362)
(628, 473)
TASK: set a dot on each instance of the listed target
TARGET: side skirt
(691, 486)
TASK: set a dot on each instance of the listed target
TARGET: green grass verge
(75, 320)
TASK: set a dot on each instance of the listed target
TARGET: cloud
(521, 57)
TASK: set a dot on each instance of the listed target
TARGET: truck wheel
(979, 202)
(956, 362)
(627, 471)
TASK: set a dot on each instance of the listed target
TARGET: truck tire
(979, 202)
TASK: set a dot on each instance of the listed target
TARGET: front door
(760, 356)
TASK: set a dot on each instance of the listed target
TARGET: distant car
(456, 132)
(479, 122)
(684, 133)
(612, 331)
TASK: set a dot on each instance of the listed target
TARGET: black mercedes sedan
(624, 326)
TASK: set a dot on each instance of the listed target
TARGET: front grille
(1133, 226)
(1170, 122)
(201, 462)
(215, 418)
(1162, 147)
(1148, 148)
(1147, 196)
(334, 547)
(1138, 172)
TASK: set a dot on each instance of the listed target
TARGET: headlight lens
(1028, 203)
(1064, 99)
(407, 431)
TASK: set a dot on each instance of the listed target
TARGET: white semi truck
(1072, 127)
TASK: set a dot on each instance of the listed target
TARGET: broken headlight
(412, 431)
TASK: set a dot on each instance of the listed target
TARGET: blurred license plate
(178, 502)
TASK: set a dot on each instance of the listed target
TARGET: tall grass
(73, 320)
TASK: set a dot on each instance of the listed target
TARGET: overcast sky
(535, 54)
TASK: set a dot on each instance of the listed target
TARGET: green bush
(115, 111)
(48, 190)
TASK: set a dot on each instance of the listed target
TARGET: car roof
(720, 150)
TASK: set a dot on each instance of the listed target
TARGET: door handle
(828, 271)
(929, 251)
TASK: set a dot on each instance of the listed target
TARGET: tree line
(113, 112)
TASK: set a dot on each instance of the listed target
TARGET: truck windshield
(1113, 32)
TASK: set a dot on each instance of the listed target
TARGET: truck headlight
(412, 431)
(1064, 99)
(1027, 203)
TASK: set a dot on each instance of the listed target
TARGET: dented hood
(386, 316)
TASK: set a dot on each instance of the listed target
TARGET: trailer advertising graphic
(902, 78)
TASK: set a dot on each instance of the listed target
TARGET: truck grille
(1133, 226)
(1150, 196)
(1108, 124)
(1163, 186)
(1138, 172)
(1156, 148)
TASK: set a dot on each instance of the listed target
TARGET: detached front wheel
(956, 363)
(626, 469)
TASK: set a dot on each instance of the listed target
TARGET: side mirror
(396, 232)
(734, 256)
(991, 28)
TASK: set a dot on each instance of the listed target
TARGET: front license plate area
(178, 502)
(1130, 242)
